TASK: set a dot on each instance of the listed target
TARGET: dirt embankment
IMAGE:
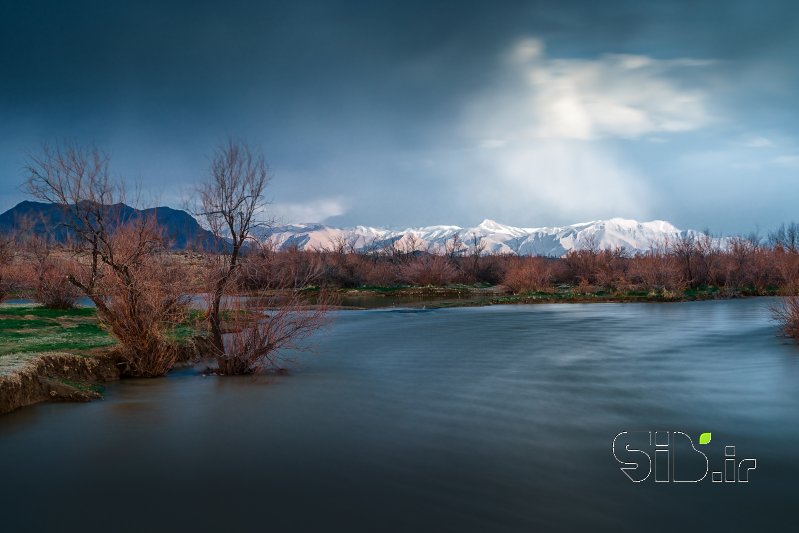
(55, 376)
(72, 378)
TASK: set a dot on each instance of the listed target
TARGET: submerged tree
(233, 205)
(787, 315)
(120, 256)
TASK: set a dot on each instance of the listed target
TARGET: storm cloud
(413, 113)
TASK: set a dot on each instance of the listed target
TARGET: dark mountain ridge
(182, 230)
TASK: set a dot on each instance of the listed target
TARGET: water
(471, 419)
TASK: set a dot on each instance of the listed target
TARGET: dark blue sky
(413, 113)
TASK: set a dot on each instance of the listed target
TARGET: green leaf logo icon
(704, 438)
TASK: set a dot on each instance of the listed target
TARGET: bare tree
(454, 247)
(78, 180)
(232, 199)
(786, 237)
(476, 250)
(478, 245)
(233, 204)
(120, 261)
(412, 244)
(263, 326)
(148, 300)
(686, 250)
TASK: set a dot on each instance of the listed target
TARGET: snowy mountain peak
(492, 226)
(631, 235)
(489, 224)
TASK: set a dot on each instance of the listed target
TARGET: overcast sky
(406, 113)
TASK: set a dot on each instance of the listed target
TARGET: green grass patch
(32, 329)
(185, 332)
(703, 291)
(637, 294)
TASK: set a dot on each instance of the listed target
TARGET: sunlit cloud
(615, 95)
(543, 130)
(554, 180)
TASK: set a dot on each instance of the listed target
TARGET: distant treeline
(33, 266)
(734, 265)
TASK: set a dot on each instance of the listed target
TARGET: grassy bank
(48, 354)
(52, 354)
(27, 331)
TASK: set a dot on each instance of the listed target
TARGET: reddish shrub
(528, 274)
(787, 315)
(428, 269)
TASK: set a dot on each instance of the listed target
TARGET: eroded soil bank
(64, 355)
(56, 377)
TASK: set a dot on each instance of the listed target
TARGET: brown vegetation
(121, 265)
(6, 268)
(529, 275)
(787, 315)
(46, 272)
(428, 269)
(145, 299)
(741, 266)
(232, 202)
(263, 326)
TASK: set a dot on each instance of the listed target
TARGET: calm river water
(480, 419)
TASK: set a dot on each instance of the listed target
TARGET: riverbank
(61, 355)
(48, 354)
(54, 377)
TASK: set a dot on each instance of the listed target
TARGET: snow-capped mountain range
(184, 231)
(498, 238)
